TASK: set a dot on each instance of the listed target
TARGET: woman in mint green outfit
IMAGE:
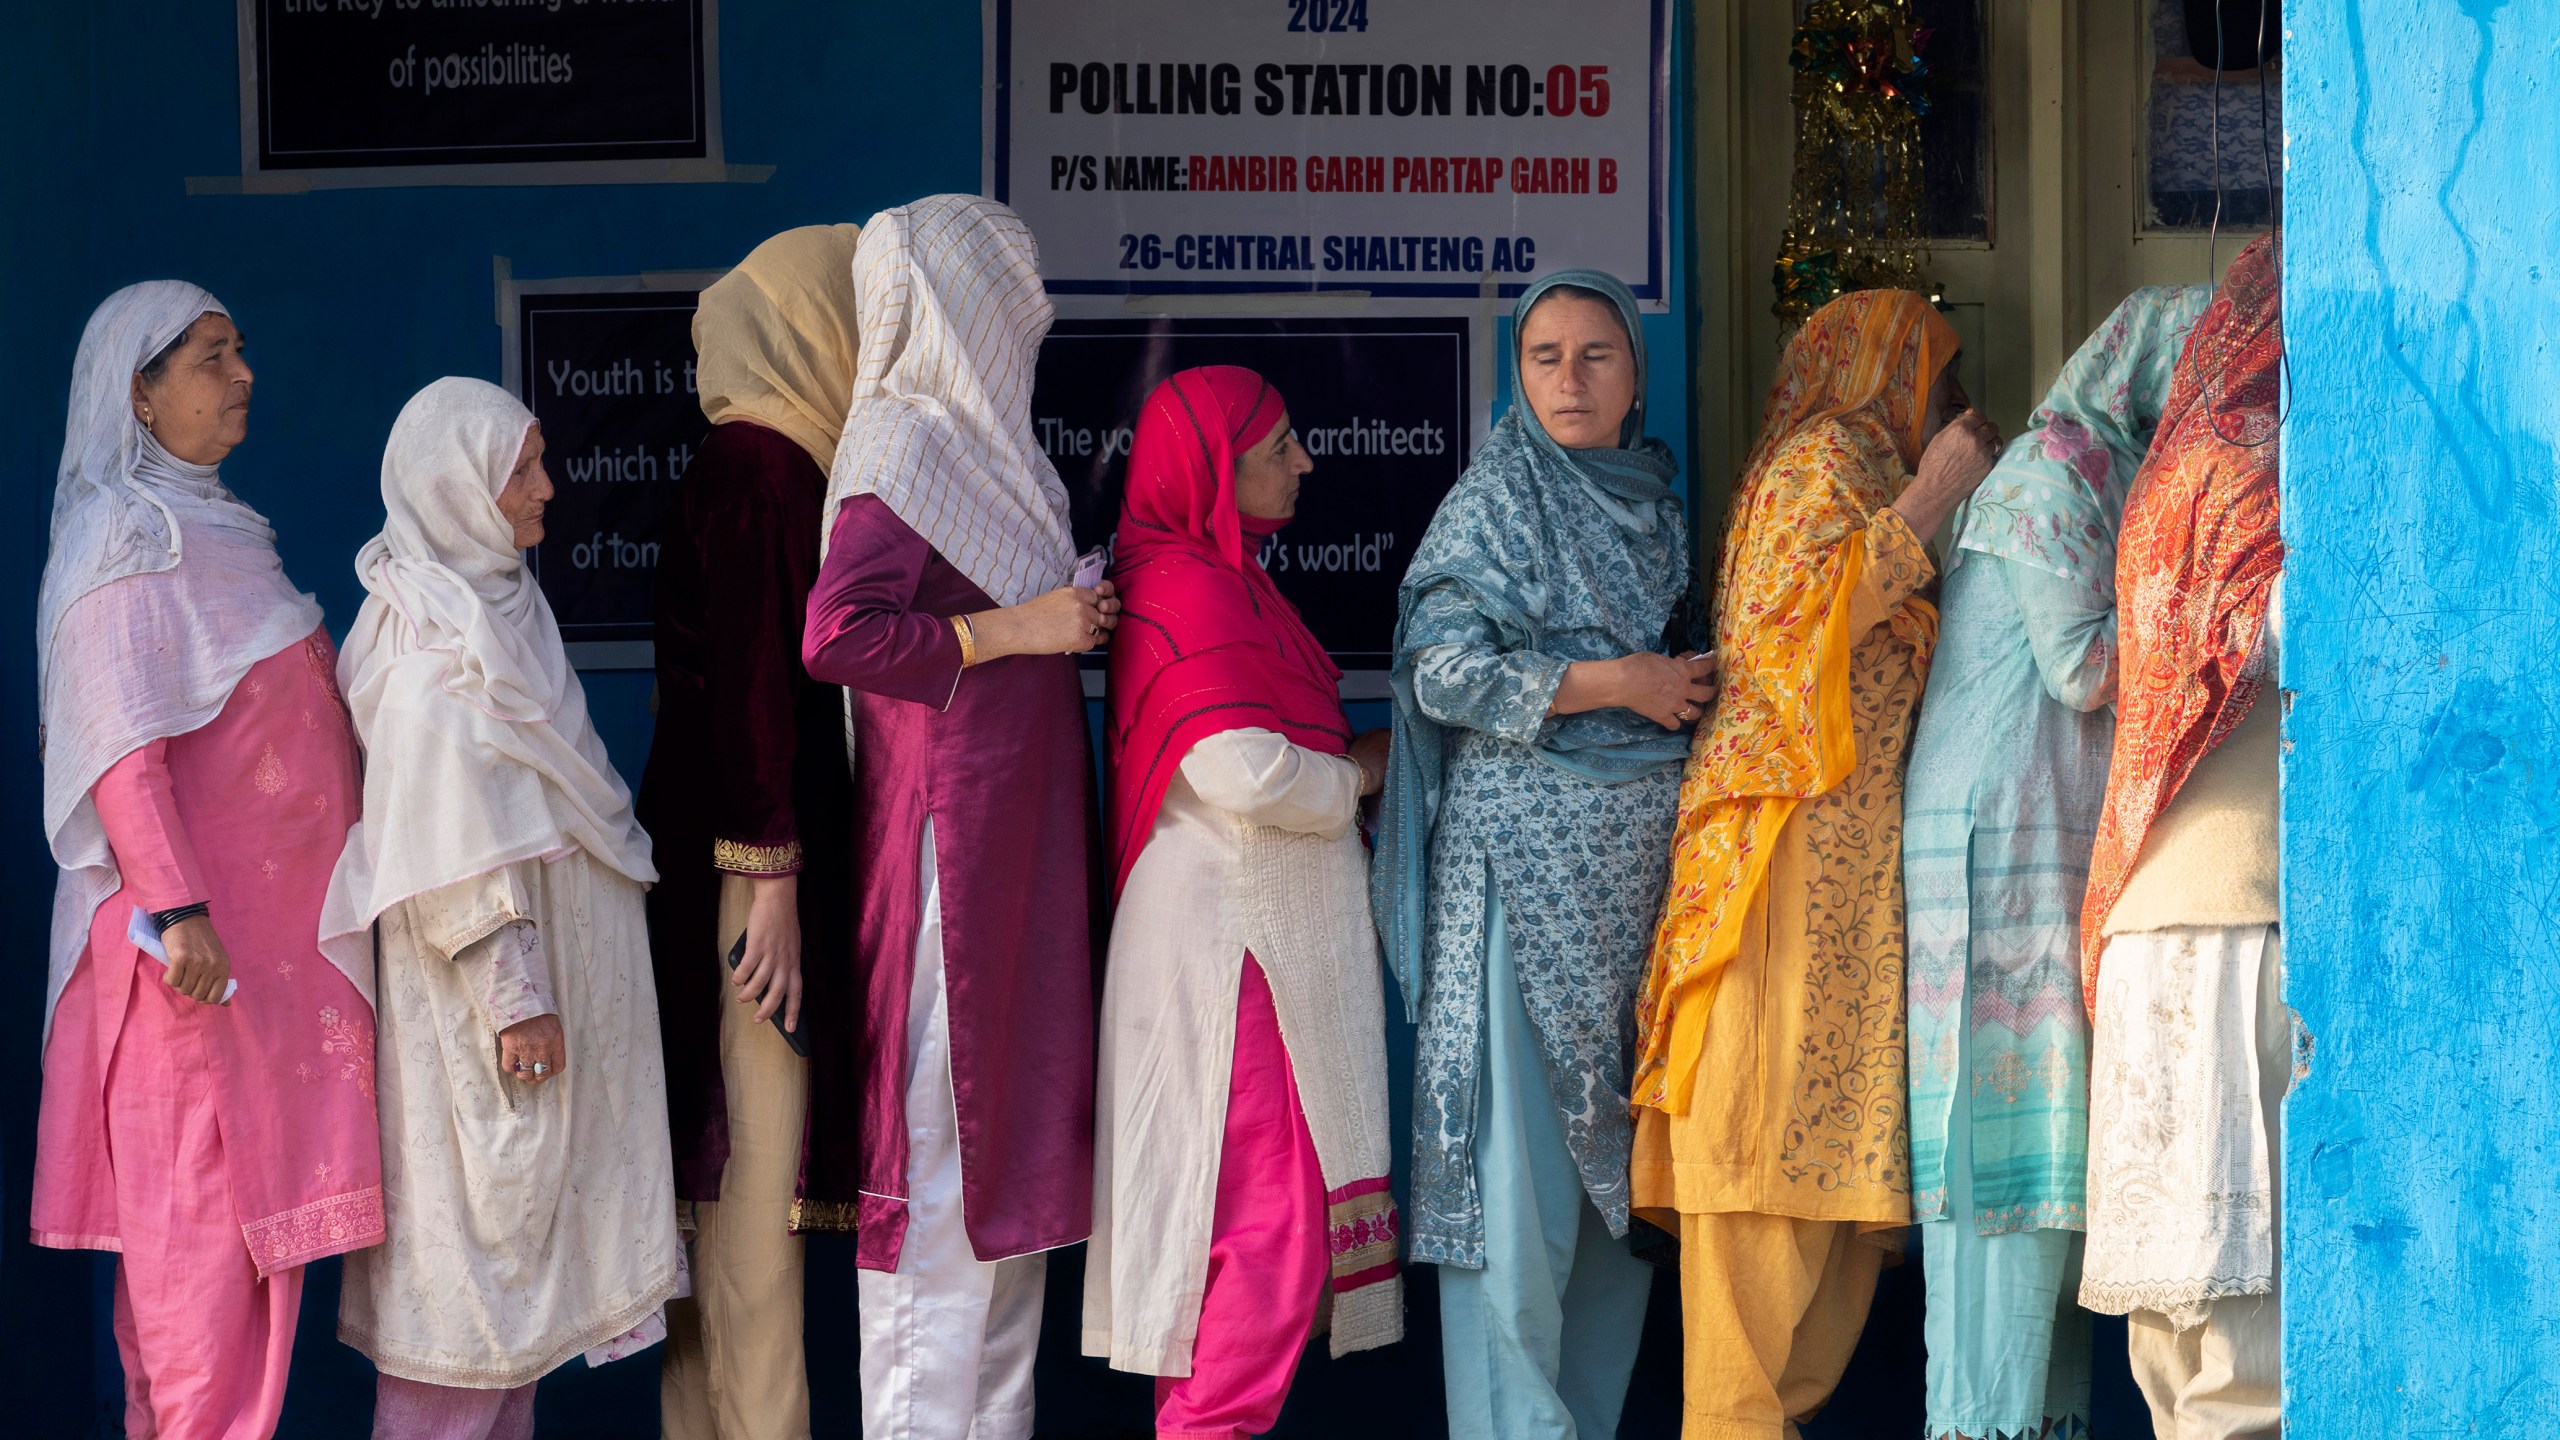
(2007, 774)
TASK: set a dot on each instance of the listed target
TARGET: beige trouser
(1771, 1307)
(734, 1369)
(2221, 1380)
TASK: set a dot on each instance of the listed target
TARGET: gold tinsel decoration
(1853, 213)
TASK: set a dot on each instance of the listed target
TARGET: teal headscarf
(1632, 485)
(2056, 498)
(1631, 478)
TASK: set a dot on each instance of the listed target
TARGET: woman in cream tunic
(524, 1123)
(1241, 1152)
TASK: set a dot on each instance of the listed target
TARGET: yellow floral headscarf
(776, 338)
(1781, 733)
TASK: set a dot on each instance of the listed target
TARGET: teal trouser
(1539, 1343)
(2008, 1341)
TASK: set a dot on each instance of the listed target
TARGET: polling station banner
(1398, 147)
(1381, 405)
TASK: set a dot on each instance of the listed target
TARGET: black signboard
(610, 376)
(343, 83)
(1381, 405)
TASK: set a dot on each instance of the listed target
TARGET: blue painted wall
(2422, 769)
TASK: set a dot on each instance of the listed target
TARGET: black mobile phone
(799, 1043)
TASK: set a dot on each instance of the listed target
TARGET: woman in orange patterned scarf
(2181, 940)
(1769, 1078)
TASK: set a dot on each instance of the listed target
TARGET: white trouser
(2224, 1379)
(947, 1339)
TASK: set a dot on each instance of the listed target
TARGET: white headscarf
(478, 751)
(161, 591)
(948, 295)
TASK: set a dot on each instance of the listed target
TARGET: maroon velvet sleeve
(864, 628)
(754, 584)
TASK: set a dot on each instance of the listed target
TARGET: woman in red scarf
(1237, 1175)
(2182, 945)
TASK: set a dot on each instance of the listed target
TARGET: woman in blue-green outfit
(2007, 774)
(1543, 693)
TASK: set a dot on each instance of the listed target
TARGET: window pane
(1955, 136)
(2209, 133)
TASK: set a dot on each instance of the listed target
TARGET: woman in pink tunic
(943, 603)
(213, 1119)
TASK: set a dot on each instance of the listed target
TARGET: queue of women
(1750, 929)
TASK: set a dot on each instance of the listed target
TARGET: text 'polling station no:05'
(1312, 88)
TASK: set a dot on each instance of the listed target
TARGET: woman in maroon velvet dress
(944, 604)
(747, 790)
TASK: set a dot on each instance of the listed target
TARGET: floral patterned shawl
(2056, 496)
(2197, 561)
(1781, 732)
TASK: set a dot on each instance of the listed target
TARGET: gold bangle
(968, 640)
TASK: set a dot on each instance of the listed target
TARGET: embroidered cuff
(739, 858)
(828, 1215)
(515, 988)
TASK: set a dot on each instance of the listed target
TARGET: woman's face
(1946, 401)
(1578, 370)
(527, 490)
(1267, 474)
(197, 407)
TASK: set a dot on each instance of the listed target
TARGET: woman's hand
(199, 964)
(1671, 691)
(1067, 621)
(769, 977)
(530, 1043)
(1955, 462)
(1370, 751)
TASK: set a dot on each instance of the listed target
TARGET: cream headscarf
(776, 337)
(478, 750)
(952, 310)
(161, 591)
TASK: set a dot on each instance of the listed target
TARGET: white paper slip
(146, 938)
(1090, 567)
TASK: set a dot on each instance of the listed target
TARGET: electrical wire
(2211, 387)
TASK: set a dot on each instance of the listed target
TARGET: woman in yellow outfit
(1769, 1087)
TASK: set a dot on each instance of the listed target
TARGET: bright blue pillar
(2422, 754)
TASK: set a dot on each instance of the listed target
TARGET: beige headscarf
(776, 337)
(478, 750)
(952, 311)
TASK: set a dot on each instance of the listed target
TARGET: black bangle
(166, 918)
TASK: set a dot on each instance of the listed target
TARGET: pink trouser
(206, 1343)
(1267, 1255)
(413, 1410)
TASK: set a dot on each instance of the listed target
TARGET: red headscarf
(1205, 643)
(2195, 568)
